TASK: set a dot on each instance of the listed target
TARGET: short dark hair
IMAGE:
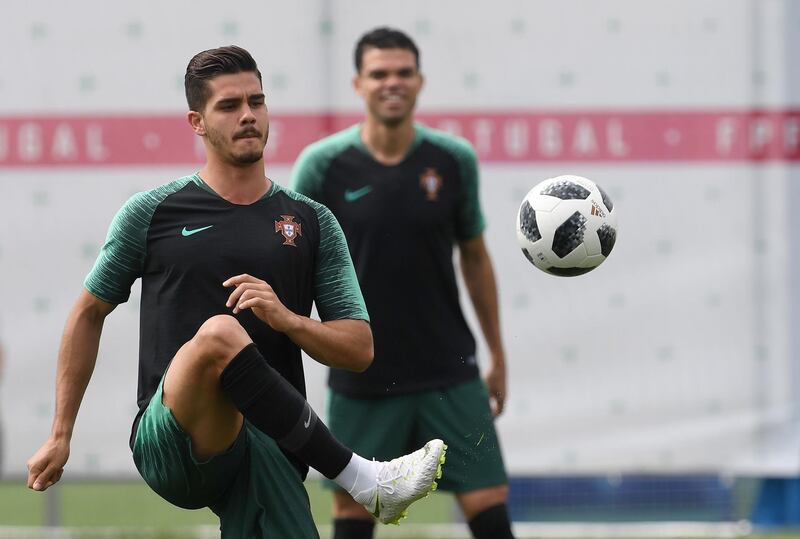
(384, 38)
(206, 65)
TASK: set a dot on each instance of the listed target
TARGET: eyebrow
(383, 71)
(232, 100)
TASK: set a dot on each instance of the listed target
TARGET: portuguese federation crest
(430, 181)
(288, 229)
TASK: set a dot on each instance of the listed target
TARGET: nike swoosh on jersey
(351, 195)
(187, 232)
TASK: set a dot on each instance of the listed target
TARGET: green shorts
(253, 487)
(385, 428)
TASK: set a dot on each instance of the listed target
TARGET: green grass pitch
(131, 504)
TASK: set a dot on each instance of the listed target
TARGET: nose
(248, 116)
(393, 80)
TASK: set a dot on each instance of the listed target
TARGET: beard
(392, 119)
(242, 157)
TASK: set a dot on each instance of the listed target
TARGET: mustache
(248, 132)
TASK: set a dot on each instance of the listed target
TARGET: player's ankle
(359, 478)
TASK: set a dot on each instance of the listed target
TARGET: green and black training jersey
(401, 223)
(184, 240)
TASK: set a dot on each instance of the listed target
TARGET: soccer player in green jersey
(230, 264)
(404, 195)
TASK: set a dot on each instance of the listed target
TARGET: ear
(357, 84)
(195, 120)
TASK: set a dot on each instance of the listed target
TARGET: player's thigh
(163, 454)
(192, 389)
(267, 497)
(461, 416)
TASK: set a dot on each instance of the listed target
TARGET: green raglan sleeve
(470, 221)
(308, 173)
(121, 260)
(338, 295)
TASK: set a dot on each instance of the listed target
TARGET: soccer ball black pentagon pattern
(566, 190)
(569, 235)
(608, 236)
(527, 222)
(606, 201)
(566, 225)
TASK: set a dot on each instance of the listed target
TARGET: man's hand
(260, 298)
(496, 385)
(47, 464)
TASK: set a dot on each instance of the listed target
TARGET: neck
(387, 144)
(236, 184)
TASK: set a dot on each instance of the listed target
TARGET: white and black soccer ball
(566, 225)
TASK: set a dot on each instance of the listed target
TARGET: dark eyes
(255, 103)
(403, 73)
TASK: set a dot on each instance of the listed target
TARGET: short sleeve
(338, 295)
(471, 222)
(121, 259)
(308, 173)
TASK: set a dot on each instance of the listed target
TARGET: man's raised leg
(219, 377)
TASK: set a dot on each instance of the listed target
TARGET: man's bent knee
(220, 338)
(200, 362)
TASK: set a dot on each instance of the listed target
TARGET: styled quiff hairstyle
(384, 38)
(209, 64)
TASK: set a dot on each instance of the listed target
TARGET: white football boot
(404, 480)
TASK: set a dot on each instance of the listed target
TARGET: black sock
(353, 528)
(277, 409)
(492, 523)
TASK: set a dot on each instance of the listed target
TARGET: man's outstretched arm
(76, 359)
